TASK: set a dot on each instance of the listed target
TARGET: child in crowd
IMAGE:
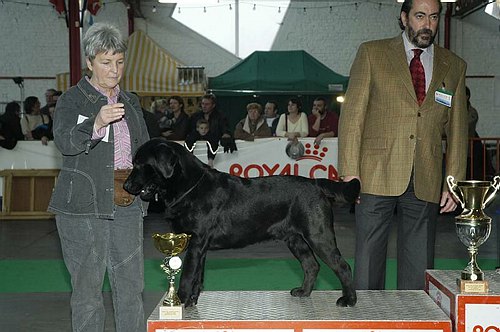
(202, 133)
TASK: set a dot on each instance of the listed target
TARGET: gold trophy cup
(473, 226)
(171, 245)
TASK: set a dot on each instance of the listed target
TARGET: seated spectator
(50, 101)
(293, 124)
(322, 122)
(253, 125)
(219, 128)
(271, 114)
(191, 108)
(175, 123)
(159, 109)
(10, 126)
(202, 132)
(34, 124)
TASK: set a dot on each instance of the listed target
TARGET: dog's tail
(340, 192)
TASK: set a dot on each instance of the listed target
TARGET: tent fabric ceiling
(149, 71)
(278, 72)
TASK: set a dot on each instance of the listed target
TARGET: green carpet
(26, 276)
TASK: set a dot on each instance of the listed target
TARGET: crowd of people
(34, 123)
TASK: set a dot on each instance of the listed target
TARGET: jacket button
(412, 137)
(419, 114)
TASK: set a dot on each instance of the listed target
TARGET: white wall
(333, 38)
(34, 43)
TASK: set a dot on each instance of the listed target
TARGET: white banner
(267, 156)
(264, 157)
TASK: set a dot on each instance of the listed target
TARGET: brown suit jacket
(384, 133)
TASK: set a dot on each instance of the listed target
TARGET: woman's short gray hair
(101, 38)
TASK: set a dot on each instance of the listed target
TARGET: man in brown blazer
(391, 140)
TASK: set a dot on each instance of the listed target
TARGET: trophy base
(171, 312)
(469, 286)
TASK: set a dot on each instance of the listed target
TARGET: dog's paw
(192, 301)
(299, 292)
(347, 301)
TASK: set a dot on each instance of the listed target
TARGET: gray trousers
(416, 234)
(93, 246)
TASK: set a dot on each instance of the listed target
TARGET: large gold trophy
(171, 245)
(473, 226)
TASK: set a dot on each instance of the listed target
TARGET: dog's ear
(166, 160)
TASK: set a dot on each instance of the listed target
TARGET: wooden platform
(279, 311)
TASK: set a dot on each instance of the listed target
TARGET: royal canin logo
(491, 328)
(314, 152)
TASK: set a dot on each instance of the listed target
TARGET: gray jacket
(86, 180)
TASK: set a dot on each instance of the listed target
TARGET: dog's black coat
(224, 211)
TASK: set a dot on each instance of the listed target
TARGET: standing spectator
(253, 125)
(98, 127)
(217, 120)
(293, 124)
(34, 124)
(10, 126)
(390, 138)
(479, 165)
(271, 114)
(176, 123)
(322, 122)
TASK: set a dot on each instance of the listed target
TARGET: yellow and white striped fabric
(149, 71)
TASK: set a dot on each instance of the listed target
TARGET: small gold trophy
(171, 245)
(473, 226)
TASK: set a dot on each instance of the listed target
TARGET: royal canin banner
(267, 156)
(264, 157)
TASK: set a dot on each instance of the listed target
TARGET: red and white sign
(267, 156)
(469, 312)
(482, 317)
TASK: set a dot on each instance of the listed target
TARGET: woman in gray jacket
(98, 128)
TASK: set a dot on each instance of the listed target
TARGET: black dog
(223, 211)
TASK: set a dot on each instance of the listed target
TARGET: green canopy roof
(278, 72)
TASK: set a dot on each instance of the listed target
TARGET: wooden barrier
(26, 193)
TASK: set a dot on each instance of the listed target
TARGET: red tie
(418, 75)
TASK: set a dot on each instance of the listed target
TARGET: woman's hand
(109, 114)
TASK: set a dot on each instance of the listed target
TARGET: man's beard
(421, 43)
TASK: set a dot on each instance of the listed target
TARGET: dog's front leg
(191, 281)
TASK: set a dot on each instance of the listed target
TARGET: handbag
(121, 196)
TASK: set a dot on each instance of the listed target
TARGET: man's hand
(448, 203)
(318, 139)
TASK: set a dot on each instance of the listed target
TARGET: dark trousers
(416, 230)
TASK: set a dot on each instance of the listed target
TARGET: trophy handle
(452, 185)
(492, 190)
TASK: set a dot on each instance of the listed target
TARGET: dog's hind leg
(310, 265)
(330, 254)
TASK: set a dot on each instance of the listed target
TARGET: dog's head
(155, 162)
